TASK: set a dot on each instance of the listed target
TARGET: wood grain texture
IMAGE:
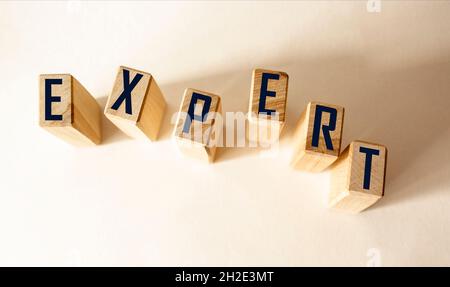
(87, 115)
(272, 124)
(201, 140)
(307, 157)
(147, 106)
(347, 178)
(81, 115)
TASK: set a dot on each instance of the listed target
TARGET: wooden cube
(199, 125)
(68, 110)
(317, 138)
(357, 177)
(136, 104)
(267, 108)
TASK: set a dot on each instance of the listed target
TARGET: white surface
(131, 202)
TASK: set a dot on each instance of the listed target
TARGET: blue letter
(367, 169)
(126, 94)
(49, 100)
(191, 116)
(326, 129)
(265, 93)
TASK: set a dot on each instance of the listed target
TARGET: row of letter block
(136, 106)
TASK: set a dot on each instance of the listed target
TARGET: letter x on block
(136, 104)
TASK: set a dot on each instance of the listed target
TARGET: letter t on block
(136, 104)
(199, 125)
(267, 108)
(357, 177)
(67, 110)
(317, 139)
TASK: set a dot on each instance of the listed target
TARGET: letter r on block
(318, 136)
(325, 129)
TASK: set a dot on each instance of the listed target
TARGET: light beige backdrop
(131, 202)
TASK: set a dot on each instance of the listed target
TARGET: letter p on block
(199, 124)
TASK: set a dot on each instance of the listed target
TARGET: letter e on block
(358, 176)
(136, 104)
(267, 108)
(67, 110)
(317, 139)
(199, 125)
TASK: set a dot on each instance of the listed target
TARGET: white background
(129, 202)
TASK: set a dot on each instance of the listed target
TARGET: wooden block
(267, 108)
(317, 139)
(136, 104)
(68, 110)
(199, 124)
(357, 177)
